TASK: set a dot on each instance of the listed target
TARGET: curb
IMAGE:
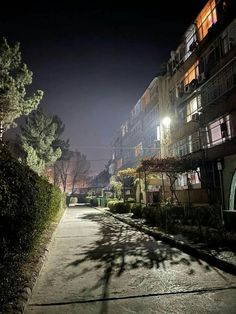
(183, 246)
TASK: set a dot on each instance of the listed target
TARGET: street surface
(97, 264)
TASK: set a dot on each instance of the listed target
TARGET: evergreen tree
(37, 138)
(14, 77)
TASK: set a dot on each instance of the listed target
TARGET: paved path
(97, 264)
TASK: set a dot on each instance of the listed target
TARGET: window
(218, 131)
(190, 41)
(138, 150)
(145, 99)
(137, 128)
(187, 145)
(228, 38)
(191, 74)
(192, 107)
(136, 110)
(206, 19)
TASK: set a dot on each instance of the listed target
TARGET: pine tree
(14, 77)
(37, 138)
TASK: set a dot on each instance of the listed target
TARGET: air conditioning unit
(201, 78)
(187, 88)
(195, 117)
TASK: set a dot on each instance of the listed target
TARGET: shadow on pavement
(121, 248)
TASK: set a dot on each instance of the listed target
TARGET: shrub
(93, 200)
(152, 215)
(119, 207)
(130, 200)
(73, 200)
(137, 210)
(28, 203)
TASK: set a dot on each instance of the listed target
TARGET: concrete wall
(194, 196)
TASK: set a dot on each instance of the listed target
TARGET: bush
(119, 207)
(28, 203)
(93, 200)
(137, 210)
(73, 200)
(152, 215)
(130, 200)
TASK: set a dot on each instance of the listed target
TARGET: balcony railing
(219, 84)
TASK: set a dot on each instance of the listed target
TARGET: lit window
(206, 18)
(218, 131)
(190, 41)
(191, 74)
(192, 107)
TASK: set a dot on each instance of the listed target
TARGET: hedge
(119, 207)
(28, 204)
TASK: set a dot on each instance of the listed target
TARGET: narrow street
(97, 264)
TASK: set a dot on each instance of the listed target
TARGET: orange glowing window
(206, 18)
(191, 74)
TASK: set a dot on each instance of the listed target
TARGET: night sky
(94, 59)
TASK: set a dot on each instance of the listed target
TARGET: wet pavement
(97, 264)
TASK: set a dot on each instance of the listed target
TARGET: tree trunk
(1, 131)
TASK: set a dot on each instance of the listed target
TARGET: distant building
(138, 137)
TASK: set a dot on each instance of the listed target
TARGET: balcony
(219, 84)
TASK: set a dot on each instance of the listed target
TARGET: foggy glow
(166, 122)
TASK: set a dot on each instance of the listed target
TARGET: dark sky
(94, 59)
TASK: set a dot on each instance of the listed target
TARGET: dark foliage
(28, 203)
(119, 207)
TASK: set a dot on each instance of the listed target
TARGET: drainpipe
(222, 207)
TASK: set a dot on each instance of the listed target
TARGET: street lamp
(166, 122)
(165, 136)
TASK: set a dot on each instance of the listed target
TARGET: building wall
(137, 137)
(228, 172)
(198, 93)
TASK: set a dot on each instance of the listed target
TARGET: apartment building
(139, 136)
(202, 101)
(198, 95)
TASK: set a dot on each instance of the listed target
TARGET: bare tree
(79, 170)
(71, 171)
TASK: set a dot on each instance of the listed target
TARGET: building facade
(198, 94)
(202, 102)
(139, 136)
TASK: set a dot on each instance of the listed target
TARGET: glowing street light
(166, 121)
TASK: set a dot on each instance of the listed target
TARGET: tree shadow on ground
(120, 248)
